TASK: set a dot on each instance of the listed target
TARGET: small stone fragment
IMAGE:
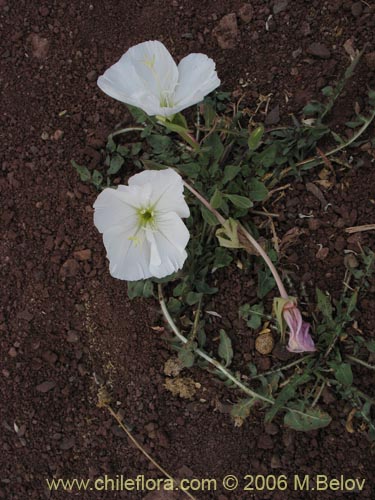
(273, 116)
(246, 13)
(58, 135)
(319, 50)
(46, 386)
(279, 6)
(226, 32)
(91, 76)
(69, 269)
(322, 253)
(39, 46)
(264, 343)
(82, 254)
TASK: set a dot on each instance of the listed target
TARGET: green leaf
(268, 155)
(186, 356)
(370, 345)
(193, 298)
(324, 304)
(257, 190)
(122, 150)
(225, 348)
(116, 163)
(136, 148)
(344, 374)
(190, 169)
(222, 258)
(266, 283)
(242, 409)
(138, 115)
(159, 143)
(97, 178)
(227, 234)
(180, 120)
(230, 172)
(83, 172)
(209, 217)
(111, 145)
(213, 141)
(327, 91)
(216, 199)
(141, 288)
(308, 420)
(255, 138)
(239, 201)
(253, 315)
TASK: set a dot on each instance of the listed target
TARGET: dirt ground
(63, 318)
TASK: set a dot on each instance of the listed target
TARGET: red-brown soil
(64, 318)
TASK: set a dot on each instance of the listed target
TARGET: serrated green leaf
(117, 162)
(324, 304)
(227, 234)
(190, 169)
(159, 143)
(225, 348)
(308, 420)
(255, 138)
(242, 408)
(141, 288)
(257, 190)
(83, 172)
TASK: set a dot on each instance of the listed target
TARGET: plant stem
(360, 362)
(126, 130)
(281, 368)
(247, 235)
(204, 355)
(142, 450)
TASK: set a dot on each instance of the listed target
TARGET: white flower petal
(114, 208)
(167, 190)
(128, 259)
(197, 78)
(171, 239)
(145, 76)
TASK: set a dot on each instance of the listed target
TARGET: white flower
(141, 224)
(146, 76)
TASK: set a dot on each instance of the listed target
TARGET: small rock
(370, 60)
(44, 11)
(357, 9)
(58, 134)
(46, 386)
(72, 336)
(273, 116)
(39, 46)
(271, 429)
(69, 269)
(91, 76)
(319, 50)
(265, 442)
(305, 29)
(12, 352)
(314, 224)
(279, 6)
(275, 462)
(226, 32)
(264, 343)
(67, 443)
(322, 253)
(82, 254)
(25, 315)
(246, 13)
